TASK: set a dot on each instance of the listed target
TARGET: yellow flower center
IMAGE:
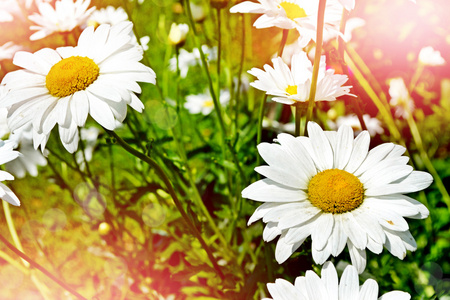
(208, 103)
(291, 89)
(71, 75)
(293, 11)
(335, 191)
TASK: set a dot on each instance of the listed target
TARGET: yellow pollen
(71, 75)
(291, 89)
(390, 222)
(208, 103)
(336, 191)
(293, 11)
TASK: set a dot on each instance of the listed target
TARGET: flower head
(65, 16)
(8, 49)
(330, 187)
(290, 14)
(400, 98)
(63, 86)
(291, 85)
(177, 34)
(430, 57)
(7, 154)
(313, 287)
(203, 103)
(373, 124)
(109, 15)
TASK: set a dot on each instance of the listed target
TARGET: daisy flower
(290, 14)
(109, 15)
(188, 59)
(7, 154)
(430, 57)
(327, 287)
(400, 98)
(8, 49)
(30, 159)
(203, 103)
(65, 16)
(291, 85)
(63, 86)
(330, 187)
(373, 124)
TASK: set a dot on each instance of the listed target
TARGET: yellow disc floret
(335, 191)
(71, 75)
(291, 89)
(293, 11)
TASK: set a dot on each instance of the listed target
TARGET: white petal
(349, 285)
(369, 290)
(9, 195)
(344, 147)
(321, 147)
(395, 295)
(357, 256)
(322, 229)
(283, 250)
(266, 190)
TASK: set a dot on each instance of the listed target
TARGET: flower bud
(177, 34)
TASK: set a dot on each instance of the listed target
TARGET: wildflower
(291, 85)
(373, 124)
(7, 154)
(293, 14)
(8, 49)
(98, 78)
(430, 57)
(203, 103)
(313, 287)
(177, 34)
(188, 59)
(330, 187)
(109, 15)
(400, 98)
(64, 17)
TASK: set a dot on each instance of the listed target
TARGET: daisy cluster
(328, 186)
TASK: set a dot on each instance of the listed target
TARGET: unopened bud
(177, 34)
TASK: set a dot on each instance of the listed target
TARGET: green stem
(426, 160)
(341, 51)
(283, 42)
(172, 193)
(219, 48)
(298, 116)
(40, 268)
(319, 41)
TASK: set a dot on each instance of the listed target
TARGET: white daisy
(291, 85)
(400, 98)
(330, 187)
(98, 78)
(7, 154)
(430, 57)
(203, 103)
(64, 17)
(109, 15)
(373, 124)
(8, 50)
(290, 14)
(327, 287)
(188, 59)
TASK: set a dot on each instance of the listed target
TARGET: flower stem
(426, 160)
(298, 116)
(283, 42)
(341, 51)
(172, 193)
(319, 41)
(39, 267)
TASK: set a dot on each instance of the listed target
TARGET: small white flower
(7, 154)
(178, 33)
(203, 103)
(8, 50)
(290, 14)
(64, 17)
(291, 85)
(98, 78)
(373, 124)
(400, 99)
(430, 57)
(331, 187)
(188, 59)
(109, 15)
(89, 136)
(327, 287)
